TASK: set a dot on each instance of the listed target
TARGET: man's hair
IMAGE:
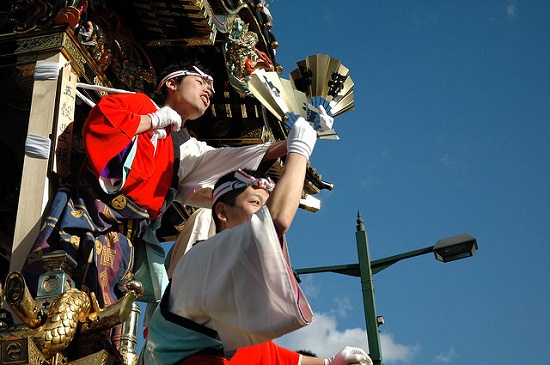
(159, 96)
(230, 197)
(307, 353)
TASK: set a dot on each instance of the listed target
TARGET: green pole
(375, 352)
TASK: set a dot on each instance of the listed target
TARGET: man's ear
(220, 209)
(171, 84)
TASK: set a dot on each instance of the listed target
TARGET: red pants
(267, 353)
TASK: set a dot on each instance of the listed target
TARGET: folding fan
(276, 94)
(325, 81)
(319, 81)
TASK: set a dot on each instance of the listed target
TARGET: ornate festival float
(57, 59)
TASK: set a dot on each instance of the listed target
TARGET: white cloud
(445, 358)
(343, 306)
(511, 10)
(395, 352)
(324, 339)
(310, 286)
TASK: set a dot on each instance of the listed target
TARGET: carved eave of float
(193, 23)
(177, 23)
(23, 50)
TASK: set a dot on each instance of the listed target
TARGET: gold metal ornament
(242, 55)
(52, 324)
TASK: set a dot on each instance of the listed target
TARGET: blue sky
(450, 134)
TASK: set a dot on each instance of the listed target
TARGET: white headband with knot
(242, 180)
(209, 79)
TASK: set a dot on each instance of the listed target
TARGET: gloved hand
(301, 138)
(165, 117)
(349, 355)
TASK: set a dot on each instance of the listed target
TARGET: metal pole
(375, 351)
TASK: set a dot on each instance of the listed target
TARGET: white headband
(209, 79)
(242, 180)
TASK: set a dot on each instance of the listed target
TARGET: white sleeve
(241, 284)
(202, 165)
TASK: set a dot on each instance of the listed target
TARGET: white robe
(200, 167)
(241, 284)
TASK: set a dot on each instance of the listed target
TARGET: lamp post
(445, 250)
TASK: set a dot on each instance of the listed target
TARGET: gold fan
(325, 81)
(319, 81)
(277, 94)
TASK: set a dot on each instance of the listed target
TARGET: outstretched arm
(283, 202)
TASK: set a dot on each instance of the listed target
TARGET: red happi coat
(110, 128)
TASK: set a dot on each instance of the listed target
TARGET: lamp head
(455, 248)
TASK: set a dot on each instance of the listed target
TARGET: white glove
(349, 355)
(165, 117)
(301, 138)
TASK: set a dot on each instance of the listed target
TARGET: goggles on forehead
(209, 79)
(242, 179)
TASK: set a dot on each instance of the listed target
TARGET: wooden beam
(33, 196)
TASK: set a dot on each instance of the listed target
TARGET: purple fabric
(114, 167)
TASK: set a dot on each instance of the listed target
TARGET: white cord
(103, 88)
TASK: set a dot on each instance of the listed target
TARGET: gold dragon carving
(53, 323)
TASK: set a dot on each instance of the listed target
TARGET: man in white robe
(231, 294)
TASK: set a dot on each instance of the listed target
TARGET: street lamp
(455, 248)
(445, 250)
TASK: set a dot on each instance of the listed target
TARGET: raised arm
(283, 202)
